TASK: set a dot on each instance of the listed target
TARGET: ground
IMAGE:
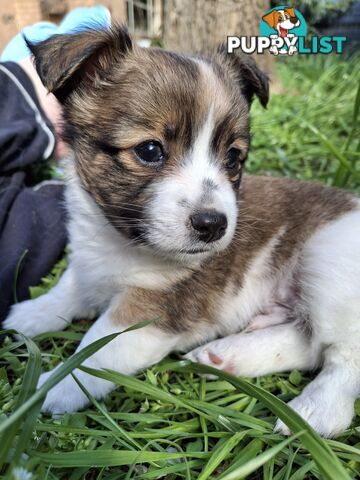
(169, 422)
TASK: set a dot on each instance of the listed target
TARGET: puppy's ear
(270, 18)
(244, 70)
(66, 62)
(290, 11)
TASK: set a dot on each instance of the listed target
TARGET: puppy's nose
(209, 224)
(294, 20)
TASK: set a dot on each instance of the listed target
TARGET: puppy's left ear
(244, 70)
(68, 62)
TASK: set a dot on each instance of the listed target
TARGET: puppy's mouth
(176, 252)
(193, 251)
(283, 32)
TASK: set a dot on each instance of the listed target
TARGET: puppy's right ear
(246, 74)
(66, 62)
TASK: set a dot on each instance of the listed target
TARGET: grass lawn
(169, 422)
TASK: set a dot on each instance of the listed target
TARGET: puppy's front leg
(128, 353)
(52, 311)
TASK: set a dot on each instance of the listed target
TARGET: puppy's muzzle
(210, 225)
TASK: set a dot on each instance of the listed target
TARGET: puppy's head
(160, 139)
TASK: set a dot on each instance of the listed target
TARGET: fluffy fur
(284, 272)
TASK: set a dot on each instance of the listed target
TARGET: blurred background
(186, 24)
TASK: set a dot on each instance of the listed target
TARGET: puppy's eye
(233, 158)
(150, 152)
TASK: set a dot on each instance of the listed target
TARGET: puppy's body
(160, 229)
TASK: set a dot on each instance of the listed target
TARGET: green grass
(169, 422)
(311, 131)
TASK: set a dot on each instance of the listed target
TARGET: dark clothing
(32, 219)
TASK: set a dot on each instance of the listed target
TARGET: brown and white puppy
(282, 20)
(162, 228)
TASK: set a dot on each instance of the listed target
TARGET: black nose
(209, 224)
(294, 20)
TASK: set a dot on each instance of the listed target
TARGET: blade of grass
(344, 162)
(16, 275)
(148, 389)
(11, 347)
(257, 462)
(247, 453)
(354, 119)
(220, 452)
(302, 471)
(175, 469)
(109, 458)
(244, 419)
(116, 429)
(202, 394)
(157, 444)
(28, 387)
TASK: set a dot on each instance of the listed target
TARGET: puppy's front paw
(24, 317)
(328, 416)
(32, 317)
(66, 396)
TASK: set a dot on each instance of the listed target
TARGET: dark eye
(233, 158)
(150, 152)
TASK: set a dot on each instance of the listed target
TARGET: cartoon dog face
(282, 20)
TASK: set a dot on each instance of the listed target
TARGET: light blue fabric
(17, 49)
(83, 17)
(75, 21)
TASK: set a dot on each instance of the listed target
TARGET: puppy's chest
(224, 295)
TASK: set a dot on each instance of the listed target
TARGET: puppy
(266, 270)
